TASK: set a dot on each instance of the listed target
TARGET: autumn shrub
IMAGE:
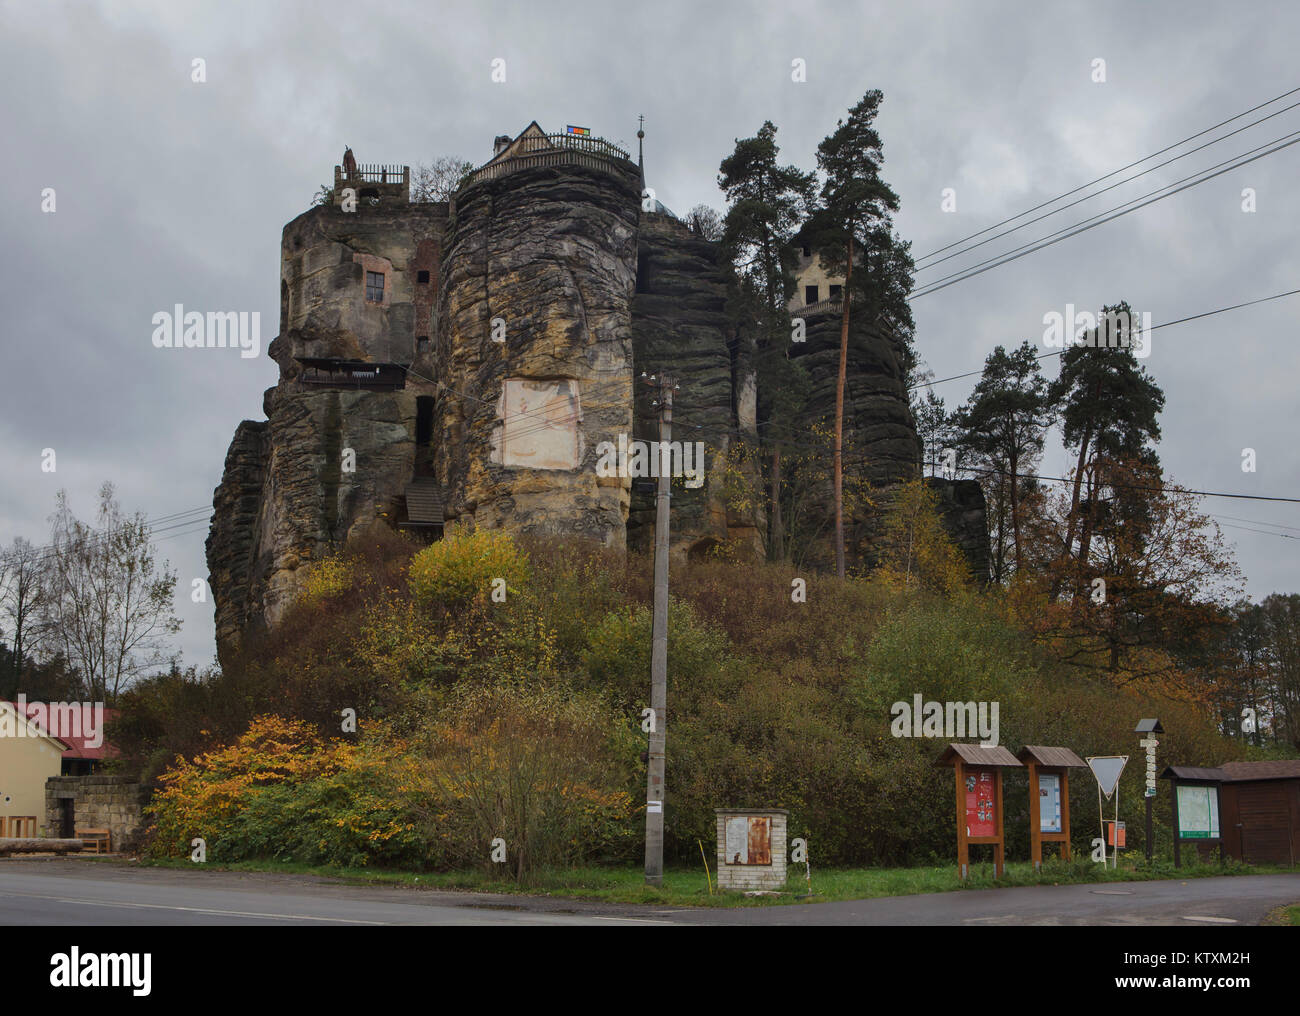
(539, 770)
(204, 797)
(918, 553)
(326, 578)
(462, 567)
(356, 816)
(617, 657)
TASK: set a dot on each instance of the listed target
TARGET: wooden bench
(98, 841)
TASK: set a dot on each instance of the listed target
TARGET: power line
(1099, 179)
(1055, 479)
(1276, 525)
(1119, 183)
(1084, 225)
(1285, 536)
(96, 538)
(1166, 324)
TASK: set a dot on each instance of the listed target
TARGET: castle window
(809, 294)
(539, 423)
(835, 292)
(422, 277)
(422, 344)
(807, 251)
(375, 287)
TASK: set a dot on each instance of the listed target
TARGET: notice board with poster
(1049, 803)
(749, 839)
(981, 803)
(977, 771)
(1195, 801)
(1049, 797)
(1198, 812)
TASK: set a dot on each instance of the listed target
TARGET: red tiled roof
(77, 742)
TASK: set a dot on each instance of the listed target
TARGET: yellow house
(813, 285)
(28, 757)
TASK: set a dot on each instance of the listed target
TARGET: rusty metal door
(760, 841)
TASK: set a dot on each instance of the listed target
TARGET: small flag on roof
(583, 131)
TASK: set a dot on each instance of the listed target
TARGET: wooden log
(36, 845)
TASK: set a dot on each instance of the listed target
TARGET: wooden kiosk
(1049, 797)
(978, 773)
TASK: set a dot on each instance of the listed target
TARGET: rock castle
(460, 364)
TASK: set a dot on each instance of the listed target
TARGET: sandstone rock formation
(488, 350)
(546, 257)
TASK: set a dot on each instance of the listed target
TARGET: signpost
(1049, 797)
(1150, 727)
(1107, 769)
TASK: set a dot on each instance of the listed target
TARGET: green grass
(687, 887)
(1284, 916)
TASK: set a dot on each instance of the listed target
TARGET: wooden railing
(578, 142)
(546, 157)
(820, 307)
(554, 150)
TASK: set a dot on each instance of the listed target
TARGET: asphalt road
(79, 892)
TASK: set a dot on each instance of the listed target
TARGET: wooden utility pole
(839, 417)
(654, 807)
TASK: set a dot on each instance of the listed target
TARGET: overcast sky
(174, 191)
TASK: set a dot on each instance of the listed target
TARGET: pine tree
(852, 223)
(1108, 406)
(768, 202)
(1004, 423)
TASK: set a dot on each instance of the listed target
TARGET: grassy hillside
(520, 719)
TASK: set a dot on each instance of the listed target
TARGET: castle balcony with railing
(833, 303)
(534, 148)
(373, 180)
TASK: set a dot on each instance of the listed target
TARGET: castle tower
(535, 353)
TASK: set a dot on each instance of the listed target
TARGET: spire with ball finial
(640, 148)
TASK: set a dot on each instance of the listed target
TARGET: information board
(1198, 812)
(749, 840)
(981, 808)
(1049, 803)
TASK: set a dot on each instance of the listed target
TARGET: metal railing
(374, 173)
(379, 173)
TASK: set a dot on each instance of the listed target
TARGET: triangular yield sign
(1107, 769)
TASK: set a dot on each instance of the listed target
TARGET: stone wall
(114, 803)
(324, 256)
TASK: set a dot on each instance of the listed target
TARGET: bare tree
(110, 607)
(23, 598)
(439, 180)
(705, 222)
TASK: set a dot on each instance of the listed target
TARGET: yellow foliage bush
(462, 567)
(327, 578)
(919, 553)
(204, 797)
